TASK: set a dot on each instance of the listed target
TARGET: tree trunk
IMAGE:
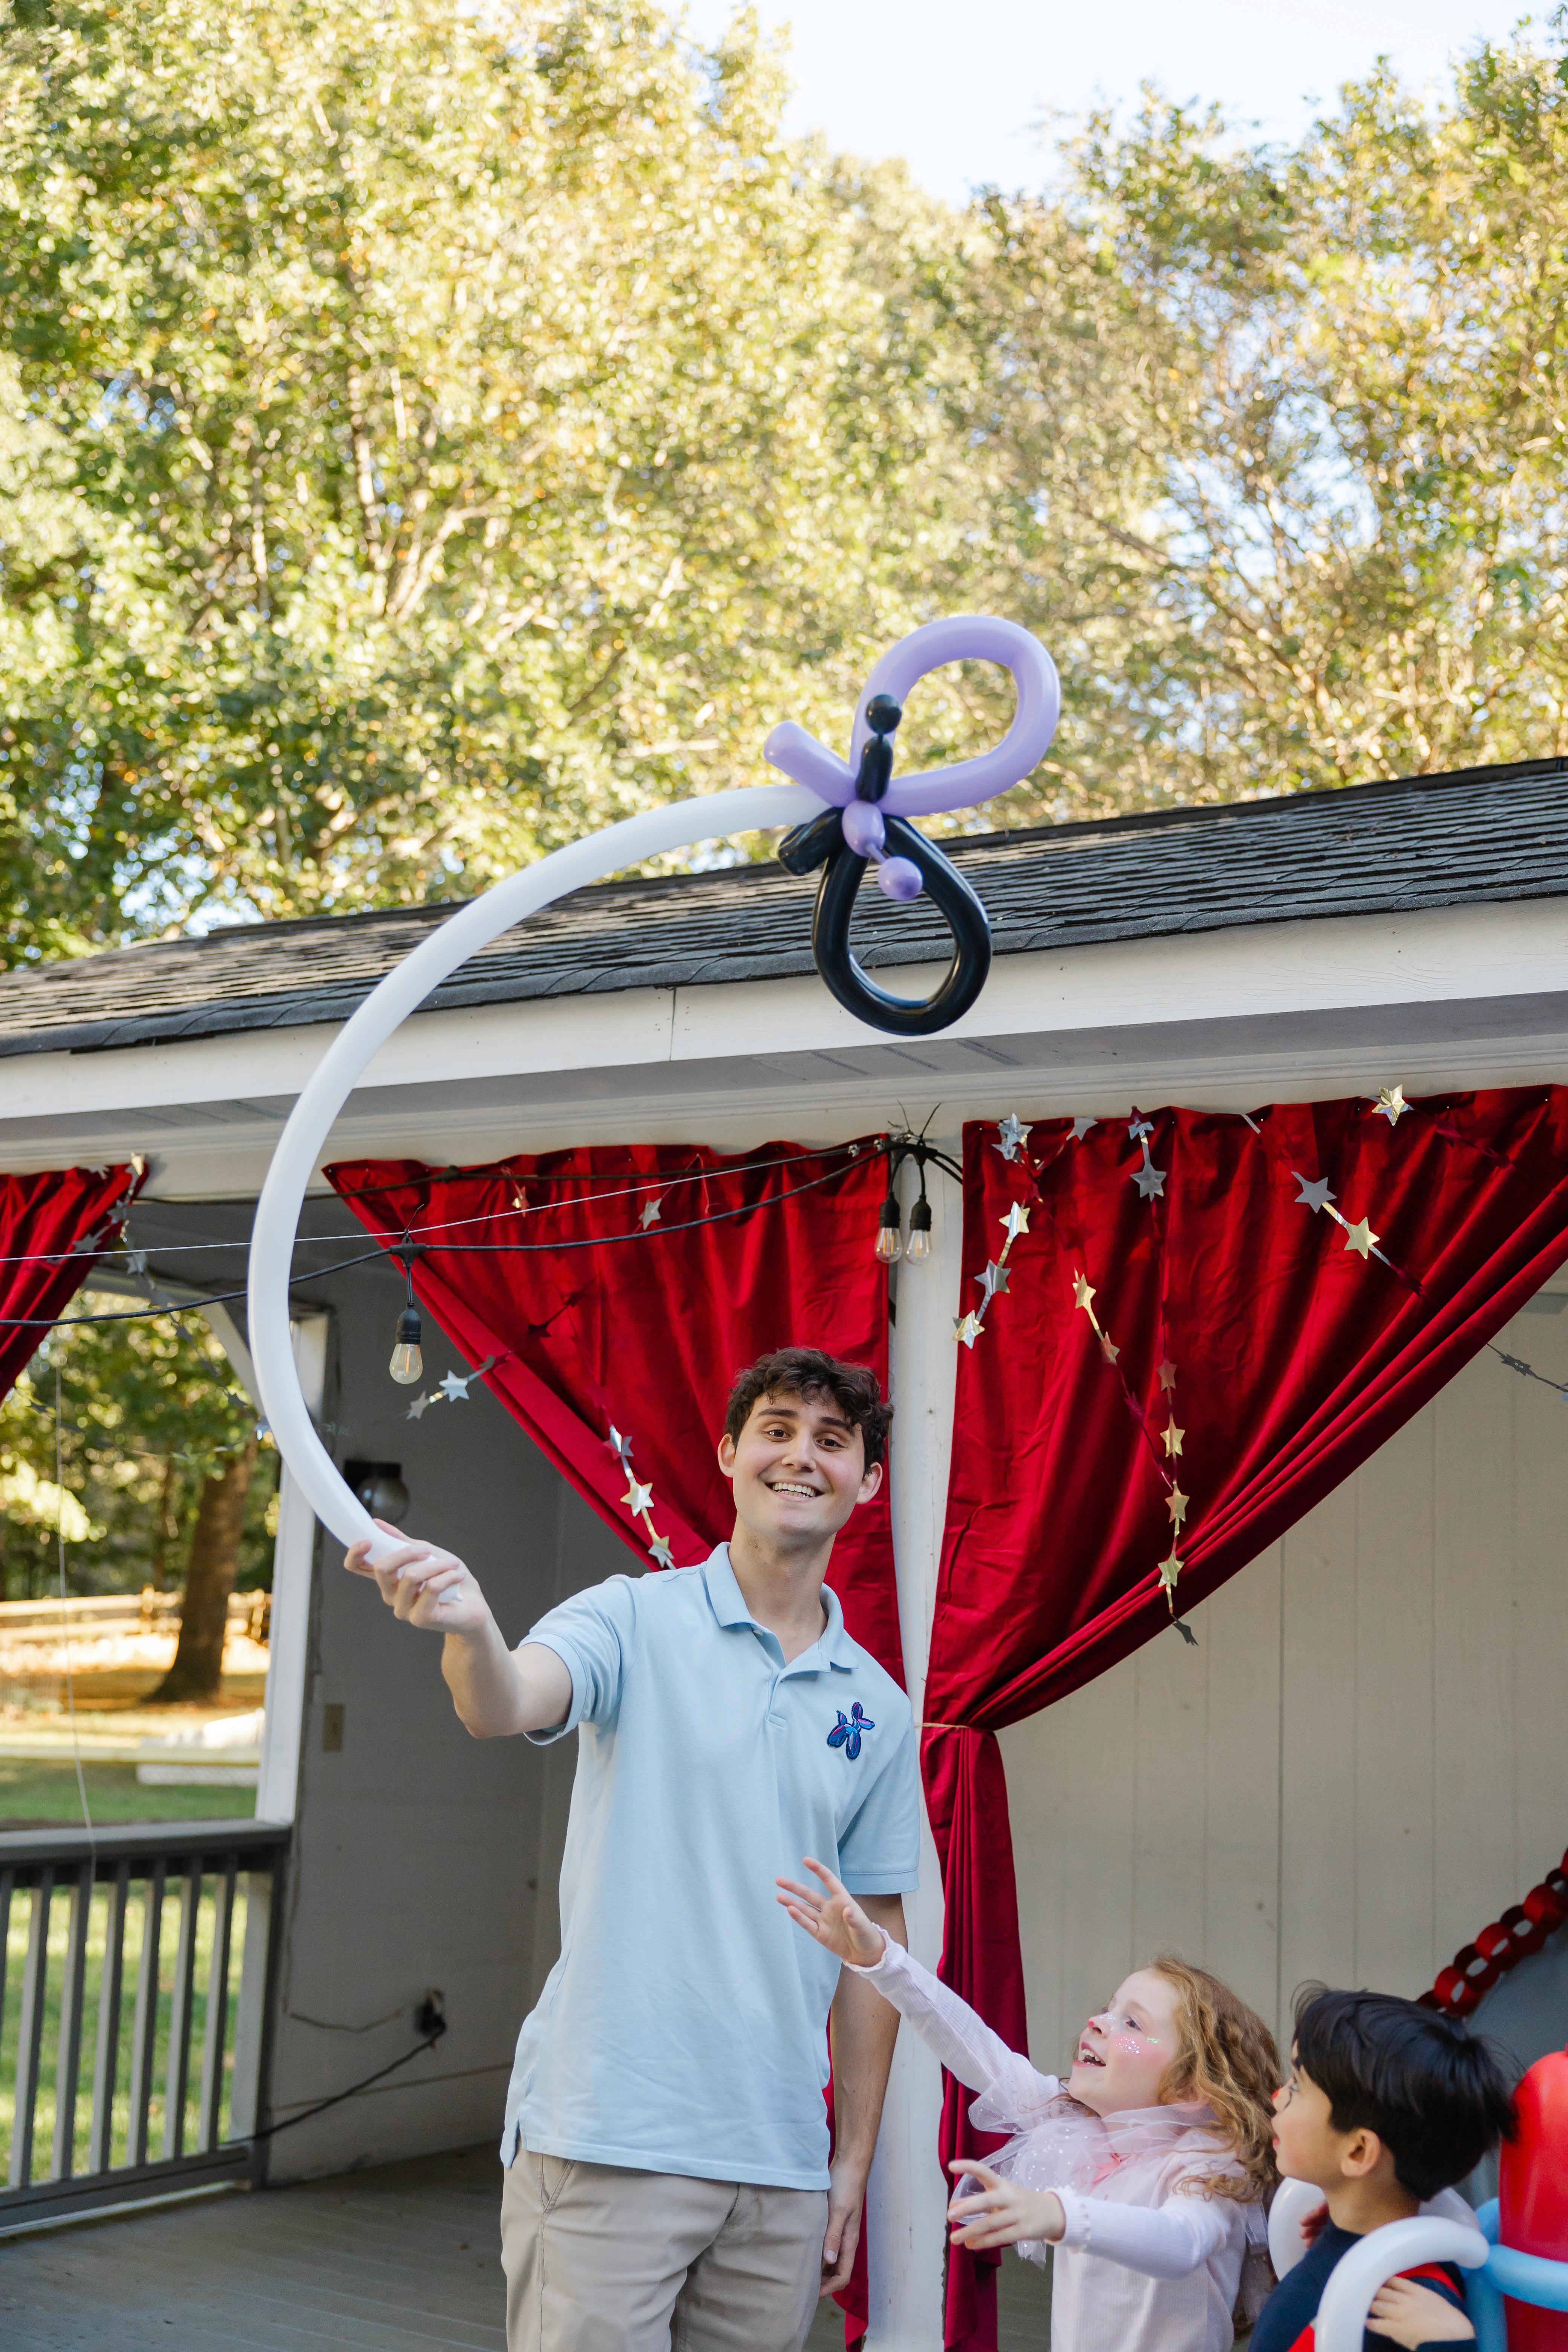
(197, 1670)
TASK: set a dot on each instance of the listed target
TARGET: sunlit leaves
(456, 427)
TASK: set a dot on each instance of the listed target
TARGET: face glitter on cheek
(1130, 2045)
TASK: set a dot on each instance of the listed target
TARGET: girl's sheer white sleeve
(1167, 2241)
(964, 2042)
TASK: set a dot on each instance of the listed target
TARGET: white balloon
(657, 831)
(346, 1061)
(1380, 2255)
(1293, 2200)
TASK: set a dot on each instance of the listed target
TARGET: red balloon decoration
(1501, 1946)
(1532, 2193)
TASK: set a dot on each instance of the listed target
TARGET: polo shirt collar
(729, 1605)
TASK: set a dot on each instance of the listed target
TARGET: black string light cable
(890, 1244)
(898, 1149)
(175, 1306)
(499, 1168)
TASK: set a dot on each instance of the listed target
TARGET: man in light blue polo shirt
(665, 2138)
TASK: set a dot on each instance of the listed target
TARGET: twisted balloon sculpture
(843, 811)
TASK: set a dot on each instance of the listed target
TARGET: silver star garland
(967, 1329)
(452, 1389)
(1150, 1180)
(638, 1497)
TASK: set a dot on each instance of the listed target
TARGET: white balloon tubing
(821, 779)
(1382, 2254)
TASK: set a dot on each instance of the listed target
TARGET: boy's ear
(727, 1455)
(1362, 2153)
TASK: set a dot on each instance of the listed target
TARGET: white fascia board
(1431, 956)
(575, 1033)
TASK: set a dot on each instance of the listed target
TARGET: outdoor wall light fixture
(822, 786)
(379, 1486)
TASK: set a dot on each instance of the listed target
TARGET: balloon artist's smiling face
(798, 1469)
(1124, 2054)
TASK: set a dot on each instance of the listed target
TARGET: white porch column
(293, 1560)
(906, 2202)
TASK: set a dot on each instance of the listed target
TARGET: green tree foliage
(1289, 430)
(427, 431)
(431, 431)
(149, 1416)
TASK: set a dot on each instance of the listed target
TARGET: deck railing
(134, 1976)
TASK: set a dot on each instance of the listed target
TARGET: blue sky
(958, 87)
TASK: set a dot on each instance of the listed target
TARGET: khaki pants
(600, 2259)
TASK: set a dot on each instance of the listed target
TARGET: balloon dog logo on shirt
(838, 814)
(847, 1732)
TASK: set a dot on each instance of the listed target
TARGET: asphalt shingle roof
(1433, 840)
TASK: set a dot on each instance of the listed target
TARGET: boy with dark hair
(1387, 2103)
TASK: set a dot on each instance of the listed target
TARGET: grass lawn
(37, 1794)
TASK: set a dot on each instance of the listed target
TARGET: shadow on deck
(401, 2259)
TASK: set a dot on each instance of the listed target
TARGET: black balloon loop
(902, 1016)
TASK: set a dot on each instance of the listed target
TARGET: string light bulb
(407, 1363)
(919, 1232)
(889, 1236)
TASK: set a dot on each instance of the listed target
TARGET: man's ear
(871, 1484)
(727, 1455)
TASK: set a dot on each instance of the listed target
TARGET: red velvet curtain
(627, 1294)
(53, 1228)
(1284, 1347)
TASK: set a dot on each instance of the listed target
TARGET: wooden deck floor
(401, 2259)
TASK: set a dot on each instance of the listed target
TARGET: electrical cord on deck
(429, 2017)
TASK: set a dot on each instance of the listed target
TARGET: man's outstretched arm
(864, 2028)
(495, 1690)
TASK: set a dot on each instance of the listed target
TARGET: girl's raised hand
(1000, 2214)
(835, 1919)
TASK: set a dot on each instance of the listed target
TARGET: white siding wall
(1366, 1758)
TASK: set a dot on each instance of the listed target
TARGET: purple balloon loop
(868, 809)
(962, 637)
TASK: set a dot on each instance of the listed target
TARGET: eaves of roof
(1451, 840)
